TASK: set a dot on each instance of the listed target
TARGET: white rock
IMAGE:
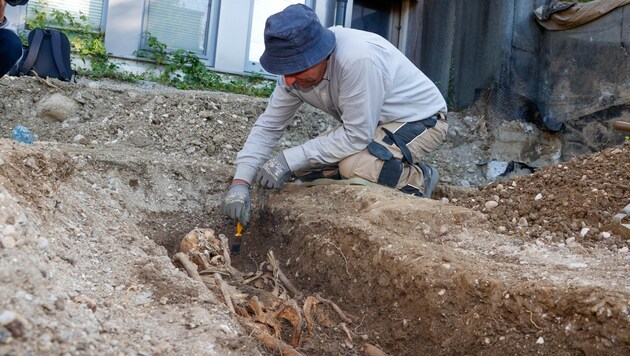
(606, 234)
(42, 243)
(540, 341)
(570, 240)
(7, 317)
(9, 230)
(623, 250)
(491, 204)
(584, 231)
(7, 241)
(538, 197)
(577, 265)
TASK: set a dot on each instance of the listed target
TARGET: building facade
(226, 35)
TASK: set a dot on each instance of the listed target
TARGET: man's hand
(237, 204)
(274, 172)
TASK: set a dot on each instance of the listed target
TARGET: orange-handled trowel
(236, 246)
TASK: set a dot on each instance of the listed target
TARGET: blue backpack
(47, 55)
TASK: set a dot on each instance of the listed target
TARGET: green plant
(179, 68)
(185, 70)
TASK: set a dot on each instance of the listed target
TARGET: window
(181, 24)
(92, 9)
(378, 16)
(261, 10)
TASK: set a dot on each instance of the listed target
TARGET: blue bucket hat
(295, 40)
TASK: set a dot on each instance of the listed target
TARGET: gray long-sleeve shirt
(367, 82)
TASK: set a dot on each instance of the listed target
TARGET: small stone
(584, 231)
(491, 204)
(623, 249)
(570, 240)
(605, 234)
(7, 317)
(538, 197)
(80, 139)
(7, 242)
(501, 229)
(444, 200)
(5, 336)
(522, 222)
(540, 341)
(42, 243)
(442, 292)
(577, 265)
(626, 210)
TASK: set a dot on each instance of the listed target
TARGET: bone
(224, 292)
(309, 304)
(190, 267)
(271, 342)
(371, 350)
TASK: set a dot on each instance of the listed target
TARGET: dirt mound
(575, 200)
(93, 212)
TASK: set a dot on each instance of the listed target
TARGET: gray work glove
(274, 172)
(237, 204)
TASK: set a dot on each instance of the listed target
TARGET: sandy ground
(93, 212)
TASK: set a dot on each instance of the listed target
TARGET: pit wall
(417, 296)
(547, 77)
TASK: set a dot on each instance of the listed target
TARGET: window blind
(92, 9)
(179, 24)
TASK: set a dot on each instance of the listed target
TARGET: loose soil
(92, 213)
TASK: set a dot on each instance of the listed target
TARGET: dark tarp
(561, 15)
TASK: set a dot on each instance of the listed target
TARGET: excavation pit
(423, 277)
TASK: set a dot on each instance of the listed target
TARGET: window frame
(210, 40)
